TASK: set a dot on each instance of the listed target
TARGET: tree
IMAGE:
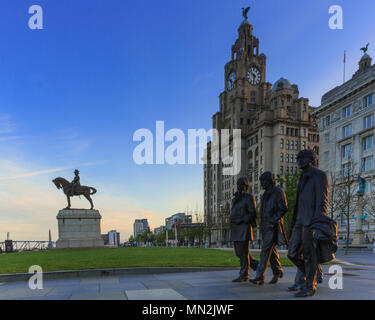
(346, 194)
(131, 239)
(332, 201)
(161, 237)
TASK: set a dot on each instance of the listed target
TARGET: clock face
(253, 76)
(231, 80)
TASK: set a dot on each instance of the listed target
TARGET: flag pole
(344, 66)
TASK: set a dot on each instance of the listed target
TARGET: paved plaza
(358, 283)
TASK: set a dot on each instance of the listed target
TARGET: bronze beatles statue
(273, 209)
(242, 220)
(314, 235)
(74, 188)
(312, 229)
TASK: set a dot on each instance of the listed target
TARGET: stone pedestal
(358, 235)
(79, 228)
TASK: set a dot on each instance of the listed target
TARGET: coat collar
(308, 173)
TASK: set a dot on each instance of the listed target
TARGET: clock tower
(244, 82)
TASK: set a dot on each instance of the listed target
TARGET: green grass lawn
(76, 259)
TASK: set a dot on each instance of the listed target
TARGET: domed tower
(364, 64)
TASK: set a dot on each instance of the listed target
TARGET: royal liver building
(275, 124)
(346, 119)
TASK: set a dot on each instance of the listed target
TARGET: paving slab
(93, 288)
(154, 294)
(23, 293)
(107, 295)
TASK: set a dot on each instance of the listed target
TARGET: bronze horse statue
(85, 191)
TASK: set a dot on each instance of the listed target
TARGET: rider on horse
(76, 182)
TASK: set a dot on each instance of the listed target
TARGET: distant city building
(178, 217)
(139, 226)
(111, 238)
(159, 230)
(347, 129)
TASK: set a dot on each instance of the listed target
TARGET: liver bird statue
(244, 12)
(364, 49)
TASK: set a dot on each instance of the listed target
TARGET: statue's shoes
(276, 278)
(257, 281)
(305, 293)
(295, 287)
(239, 279)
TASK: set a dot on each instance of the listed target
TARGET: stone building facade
(275, 124)
(346, 125)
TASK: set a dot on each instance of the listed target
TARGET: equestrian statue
(74, 188)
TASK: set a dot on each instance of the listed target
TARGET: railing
(27, 245)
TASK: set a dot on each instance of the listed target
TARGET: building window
(281, 170)
(326, 156)
(345, 151)
(296, 145)
(261, 146)
(281, 157)
(234, 122)
(291, 145)
(287, 158)
(261, 133)
(304, 133)
(327, 121)
(346, 112)
(287, 144)
(234, 110)
(281, 143)
(282, 130)
(326, 138)
(241, 108)
(368, 143)
(241, 120)
(367, 187)
(303, 145)
(368, 121)
(345, 169)
(367, 163)
(368, 100)
(287, 170)
(347, 131)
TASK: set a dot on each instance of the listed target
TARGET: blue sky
(72, 94)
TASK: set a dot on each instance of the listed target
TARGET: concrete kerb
(66, 274)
